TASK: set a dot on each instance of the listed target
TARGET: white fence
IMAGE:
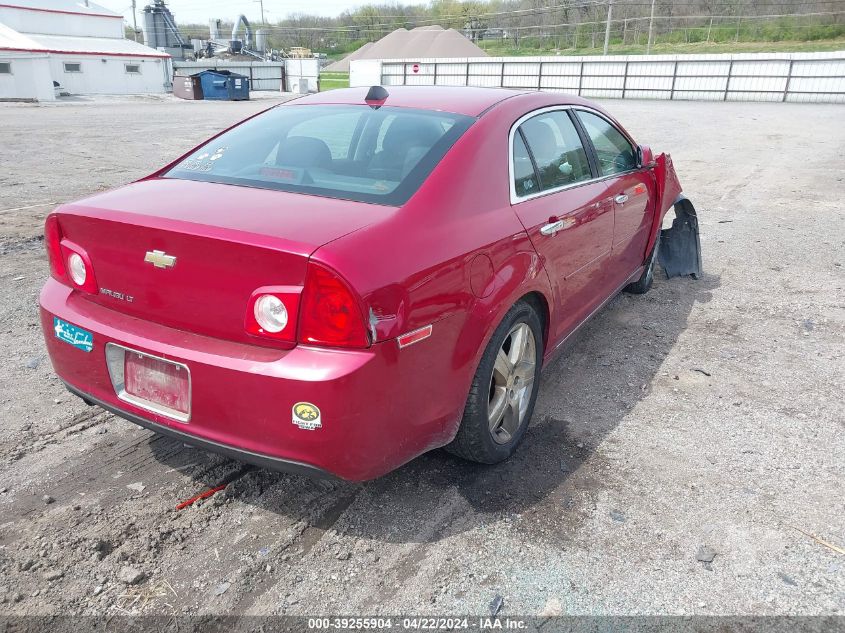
(794, 77)
(297, 75)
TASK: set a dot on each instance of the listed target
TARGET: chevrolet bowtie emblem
(160, 259)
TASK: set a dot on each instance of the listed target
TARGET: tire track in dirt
(107, 465)
(308, 538)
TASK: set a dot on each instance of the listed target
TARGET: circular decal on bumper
(307, 416)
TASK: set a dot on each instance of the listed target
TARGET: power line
(536, 11)
(379, 27)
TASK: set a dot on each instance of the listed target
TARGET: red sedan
(353, 278)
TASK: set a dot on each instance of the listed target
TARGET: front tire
(504, 389)
(644, 283)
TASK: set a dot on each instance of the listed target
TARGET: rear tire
(504, 389)
(644, 283)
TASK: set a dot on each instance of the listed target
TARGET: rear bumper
(376, 408)
(264, 461)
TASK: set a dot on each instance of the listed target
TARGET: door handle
(552, 227)
(622, 198)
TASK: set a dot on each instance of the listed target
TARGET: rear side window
(615, 154)
(353, 152)
(557, 150)
(524, 176)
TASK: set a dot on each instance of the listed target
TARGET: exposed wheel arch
(541, 306)
(503, 391)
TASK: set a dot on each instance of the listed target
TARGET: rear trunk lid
(227, 241)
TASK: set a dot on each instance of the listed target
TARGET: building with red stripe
(51, 47)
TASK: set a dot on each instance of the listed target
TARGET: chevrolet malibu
(353, 278)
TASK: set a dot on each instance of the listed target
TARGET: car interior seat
(405, 142)
(304, 151)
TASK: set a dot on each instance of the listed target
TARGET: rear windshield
(354, 152)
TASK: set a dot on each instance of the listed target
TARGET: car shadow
(595, 384)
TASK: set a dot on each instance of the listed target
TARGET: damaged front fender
(679, 251)
(680, 246)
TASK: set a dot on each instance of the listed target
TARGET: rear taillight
(330, 313)
(271, 312)
(78, 268)
(52, 242)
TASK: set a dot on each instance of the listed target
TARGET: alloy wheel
(512, 383)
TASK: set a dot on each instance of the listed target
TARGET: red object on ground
(202, 495)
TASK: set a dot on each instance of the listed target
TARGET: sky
(200, 11)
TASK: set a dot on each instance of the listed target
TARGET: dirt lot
(703, 420)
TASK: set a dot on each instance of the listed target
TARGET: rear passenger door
(565, 210)
(631, 188)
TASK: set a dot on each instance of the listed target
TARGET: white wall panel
(30, 77)
(753, 76)
(485, 81)
(486, 68)
(107, 75)
(650, 68)
(522, 68)
(652, 83)
(801, 68)
(589, 83)
(604, 68)
(698, 68)
(558, 82)
(562, 69)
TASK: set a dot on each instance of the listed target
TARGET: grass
(506, 49)
(330, 80)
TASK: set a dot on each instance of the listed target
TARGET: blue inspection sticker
(76, 336)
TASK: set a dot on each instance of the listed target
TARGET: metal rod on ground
(650, 27)
(607, 26)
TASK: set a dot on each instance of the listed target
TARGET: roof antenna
(376, 93)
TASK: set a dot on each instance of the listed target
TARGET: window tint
(557, 149)
(73, 67)
(524, 177)
(5, 68)
(133, 69)
(382, 131)
(335, 130)
(342, 151)
(613, 150)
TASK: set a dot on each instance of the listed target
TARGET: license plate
(73, 335)
(156, 384)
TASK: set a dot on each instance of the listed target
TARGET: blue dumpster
(224, 85)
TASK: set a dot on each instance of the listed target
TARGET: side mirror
(645, 157)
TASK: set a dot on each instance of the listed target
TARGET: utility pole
(134, 22)
(650, 27)
(262, 10)
(607, 27)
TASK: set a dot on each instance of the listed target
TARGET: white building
(77, 44)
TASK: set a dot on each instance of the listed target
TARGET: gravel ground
(684, 451)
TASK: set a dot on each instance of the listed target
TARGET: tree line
(562, 24)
